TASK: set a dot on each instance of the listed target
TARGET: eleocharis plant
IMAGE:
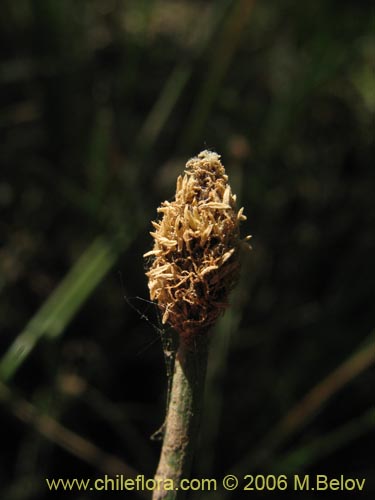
(195, 265)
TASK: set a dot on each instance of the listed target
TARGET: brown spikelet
(196, 247)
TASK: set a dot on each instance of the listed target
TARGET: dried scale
(196, 248)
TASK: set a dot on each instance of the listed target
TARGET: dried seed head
(196, 248)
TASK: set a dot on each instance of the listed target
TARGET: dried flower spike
(196, 248)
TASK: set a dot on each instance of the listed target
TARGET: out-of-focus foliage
(101, 104)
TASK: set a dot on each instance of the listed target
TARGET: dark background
(102, 103)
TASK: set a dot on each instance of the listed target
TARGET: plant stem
(183, 417)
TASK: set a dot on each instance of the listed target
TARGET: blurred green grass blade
(307, 407)
(75, 444)
(163, 106)
(216, 375)
(322, 446)
(59, 309)
(228, 42)
(202, 31)
(98, 172)
(327, 57)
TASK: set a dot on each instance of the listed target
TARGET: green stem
(183, 418)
